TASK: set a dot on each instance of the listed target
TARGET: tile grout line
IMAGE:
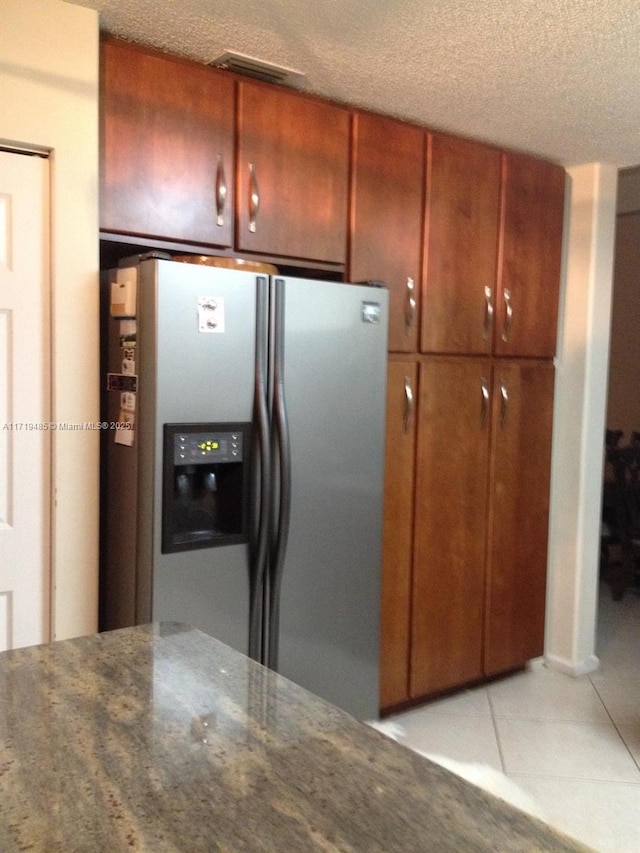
(496, 733)
(614, 724)
(609, 721)
(595, 779)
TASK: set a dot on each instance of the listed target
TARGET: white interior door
(25, 431)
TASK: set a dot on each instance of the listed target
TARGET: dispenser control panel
(204, 448)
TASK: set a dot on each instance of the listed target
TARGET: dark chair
(608, 539)
(623, 558)
(612, 438)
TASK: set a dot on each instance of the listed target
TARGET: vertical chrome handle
(408, 405)
(410, 311)
(254, 198)
(262, 472)
(488, 312)
(484, 402)
(504, 406)
(508, 317)
(281, 496)
(221, 192)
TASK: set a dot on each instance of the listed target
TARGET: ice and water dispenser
(205, 485)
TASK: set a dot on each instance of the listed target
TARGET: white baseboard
(575, 668)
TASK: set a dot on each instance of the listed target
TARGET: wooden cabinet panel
(167, 147)
(387, 181)
(397, 550)
(450, 524)
(461, 246)
(292, 174)
(518, 516)
(530, 257)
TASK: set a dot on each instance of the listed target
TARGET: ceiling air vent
(258, 69)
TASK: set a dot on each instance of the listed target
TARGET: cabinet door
(293, 163)
(529, 274)
(518, 513)
(167, 147)
(387, 182)
(398, 531)
(461, 246)
(450, 522)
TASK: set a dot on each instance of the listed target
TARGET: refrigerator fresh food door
(197, 334)
(334, 381)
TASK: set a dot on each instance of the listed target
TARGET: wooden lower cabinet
(478, 500)
(518, 513)
(450, 524)
(402, 383)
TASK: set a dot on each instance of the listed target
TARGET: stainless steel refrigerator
(243, 466)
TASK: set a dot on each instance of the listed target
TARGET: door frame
(50, 104)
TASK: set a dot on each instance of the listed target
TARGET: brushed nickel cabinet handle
(504, 407)
(408, 407)
(488, 312)
(221, 192)
(508, 317)
(484, 402)
(254, 198)
(410, 313)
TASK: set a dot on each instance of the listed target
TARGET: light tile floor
(571, 744)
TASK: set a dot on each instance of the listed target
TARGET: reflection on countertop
(160, 738)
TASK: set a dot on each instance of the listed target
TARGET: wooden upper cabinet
(530, 257)
(397, 545)
(518, 513)
(387, 187)
(292, 174)
(463, 201)
(167, 130)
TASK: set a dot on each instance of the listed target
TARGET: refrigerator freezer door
(197, 337)
(335, 385)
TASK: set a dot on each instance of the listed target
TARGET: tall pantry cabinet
(471, 405)
(386, 221)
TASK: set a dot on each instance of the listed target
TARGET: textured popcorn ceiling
(557, 78)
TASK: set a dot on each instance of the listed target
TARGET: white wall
(49, 98)
(579, 418)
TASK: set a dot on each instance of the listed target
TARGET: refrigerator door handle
(283, 449)
(259, 554)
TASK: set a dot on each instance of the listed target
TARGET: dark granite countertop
(160, 738)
